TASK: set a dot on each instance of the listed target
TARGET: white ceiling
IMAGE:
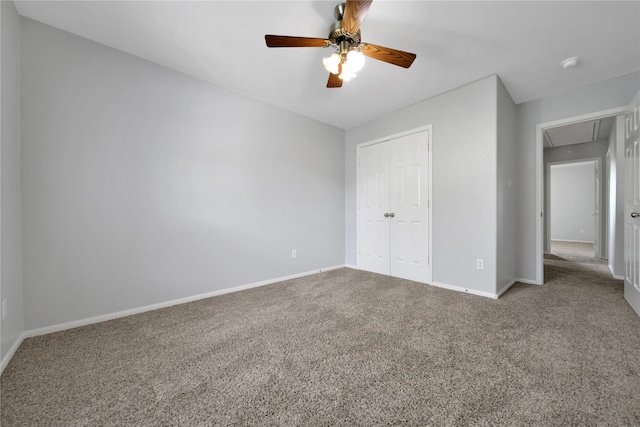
(456, 42)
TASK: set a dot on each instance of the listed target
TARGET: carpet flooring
(576, 252)
(346, 347)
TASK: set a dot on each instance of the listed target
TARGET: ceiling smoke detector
(570, 62)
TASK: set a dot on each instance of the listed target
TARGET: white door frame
(540, 128)
(598, 166)
(428, 128)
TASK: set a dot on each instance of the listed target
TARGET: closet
(393, 187)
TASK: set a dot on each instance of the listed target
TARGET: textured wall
(11, 222)
(589, 99)
(506, 197)
(143, 185)
(464, 180)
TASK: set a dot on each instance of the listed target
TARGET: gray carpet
(575, 252)
(346, 348)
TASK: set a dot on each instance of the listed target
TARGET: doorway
(573, 195)
(589, 127)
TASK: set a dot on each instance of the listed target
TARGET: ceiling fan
(344, 37)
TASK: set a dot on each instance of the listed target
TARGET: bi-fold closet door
(394, 207)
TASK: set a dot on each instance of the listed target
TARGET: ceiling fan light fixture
(355, 60)
(345, 37)
(346, 76)
(332, 63)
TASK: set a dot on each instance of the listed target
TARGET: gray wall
(572, 188)
(464, 180)
(506, 198)
(142, 185)
(589, 150)
(10, 198)
(616, 190)
(598, 97)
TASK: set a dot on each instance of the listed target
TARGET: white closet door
(409, 198)
(393, 207)
(373, 202)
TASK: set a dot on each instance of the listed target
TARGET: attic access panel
(572, 134)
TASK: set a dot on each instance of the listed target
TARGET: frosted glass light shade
(332, 63)
(355, 60)
(353, 64)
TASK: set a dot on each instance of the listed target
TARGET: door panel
(632, 210)
(409, 226)
(373, 200)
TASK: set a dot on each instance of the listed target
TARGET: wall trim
(103, 318)
(571, 241)
(527, 281)
(11, 352)
(506, 287)
(613, 274)
(353, 267)
(464, 290)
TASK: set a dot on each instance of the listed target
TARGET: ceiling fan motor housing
(340, 37)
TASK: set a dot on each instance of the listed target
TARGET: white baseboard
(527, 281)
(351, 266)
(506, 287)
(614, 275)
(97, 319)
(11, 352)
(485, 294)
(573, 241)
(464, 290)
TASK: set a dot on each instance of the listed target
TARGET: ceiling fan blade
(392, 56)
(354, 13)
(289, 41)
(334, 81)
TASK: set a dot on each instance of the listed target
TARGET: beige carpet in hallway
(346, 347)
(575, 251)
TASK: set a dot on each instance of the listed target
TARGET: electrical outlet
(294, 254)
(4, 309)
(480, 264)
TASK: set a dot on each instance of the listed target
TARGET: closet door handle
(386, 215)
(635, 214)
(391, 215)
